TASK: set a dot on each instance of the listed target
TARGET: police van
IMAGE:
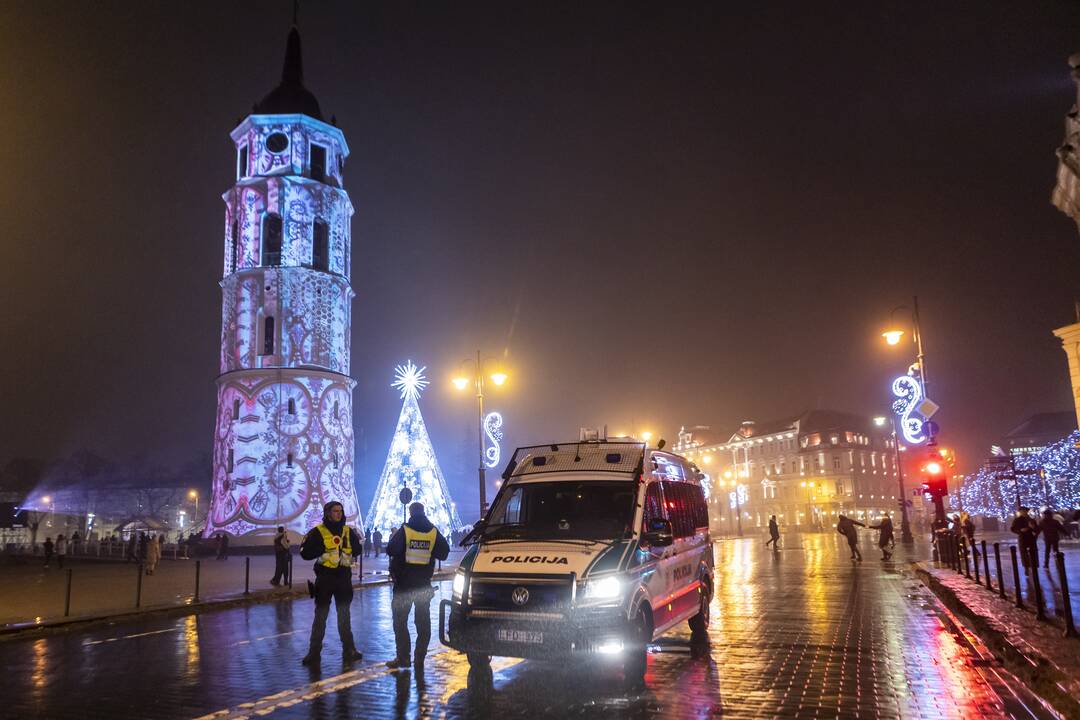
(590, 548)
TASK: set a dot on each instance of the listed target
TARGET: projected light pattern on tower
(283, 442)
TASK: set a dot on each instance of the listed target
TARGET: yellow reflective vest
(334, 545)
(419, 546)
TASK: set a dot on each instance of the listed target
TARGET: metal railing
(958, 554)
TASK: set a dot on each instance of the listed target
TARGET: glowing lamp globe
(460, 383)
(933, 468)
(498, 378)
(879, 421)
(892, 337)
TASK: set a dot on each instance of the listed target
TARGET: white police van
(590, 547)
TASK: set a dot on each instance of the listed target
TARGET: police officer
(413, 550)
(333, 545)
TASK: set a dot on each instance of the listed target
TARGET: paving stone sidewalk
(1035, 651)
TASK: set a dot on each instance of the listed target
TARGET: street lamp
(461, 382)
(646, 436)
(195, 495)
(905, 525)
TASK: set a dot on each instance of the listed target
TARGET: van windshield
(589, 510)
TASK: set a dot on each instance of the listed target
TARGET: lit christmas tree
(411, 464)
(1048, 478)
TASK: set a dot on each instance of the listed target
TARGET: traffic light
(935, 481)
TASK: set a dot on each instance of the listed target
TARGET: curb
(22, 631)
(1038, 673)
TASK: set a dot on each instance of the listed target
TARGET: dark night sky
(662, 215)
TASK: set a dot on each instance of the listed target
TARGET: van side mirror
(658, 533)
(475, 534)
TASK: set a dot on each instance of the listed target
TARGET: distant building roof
(1041, 429)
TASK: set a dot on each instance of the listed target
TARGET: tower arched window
(235, 245)
(320, 246)
(236, 409)
(271, 241)
(292, 406)
(318, 162)
(268, 336)
(229, 461)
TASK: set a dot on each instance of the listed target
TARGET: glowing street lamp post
(905, 525)
(194, 494)
(461, 382)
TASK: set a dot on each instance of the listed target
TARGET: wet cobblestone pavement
(800, 633)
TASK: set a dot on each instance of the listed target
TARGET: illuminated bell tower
(283, 443)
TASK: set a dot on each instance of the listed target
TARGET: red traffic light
(933, 468)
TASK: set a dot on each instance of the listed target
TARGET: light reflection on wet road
(800, 633)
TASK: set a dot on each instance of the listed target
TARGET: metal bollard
(67, 594)
(290, 568)
(247, 575)
(1040, 603)
(1016, 576)
(967, 563)
(138, 585)
(1001, 575)
(975, 561)
(198, 571)
(986, 568)
(1066, 602)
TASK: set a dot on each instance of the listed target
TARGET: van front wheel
(636, 659)
(699, 623)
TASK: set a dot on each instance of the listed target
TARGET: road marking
(305, 693)
(128, 637)
(264, 637)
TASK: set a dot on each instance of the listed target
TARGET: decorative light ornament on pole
(411, 464)
(461, 382)
(493, 423)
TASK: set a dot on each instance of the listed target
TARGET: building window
(235, 244)
(292, 406)
(834, 439)
(271, 245)
(335, 461)
(320, 246)
(318, 162)
(236, 409)
(229, 462)
(242, 162)
(836, 462)
(268, 336)
(839, 487)
(288, 460)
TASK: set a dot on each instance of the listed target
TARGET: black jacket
(1025, 528)
(408, 577)
(313, 548)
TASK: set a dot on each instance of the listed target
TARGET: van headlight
(607, 588)
(459, 584)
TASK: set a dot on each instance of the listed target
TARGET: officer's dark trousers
(281, 566)
(337, 586)
(404, 601)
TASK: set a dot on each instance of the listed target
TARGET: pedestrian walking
(967, 526)
(1023, 525)
(377, 538)
(281, 556)
(61, 550)
(223, 546)
(885, 536)
(774, 534)
(144, 542)
(153, 554)
(76, 540)
(48, 551)
(413, 550)
(367, 545)
(131, 547)
(846, 527)
(332, 544)
(1051, 530)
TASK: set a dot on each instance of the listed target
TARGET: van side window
(513, 510)
(654, 507)
(677, 500)
(700, 508)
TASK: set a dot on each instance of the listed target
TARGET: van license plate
(531, 637)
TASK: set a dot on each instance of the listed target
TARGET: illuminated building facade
(806, 470)
(1066, 198)
(283, 441)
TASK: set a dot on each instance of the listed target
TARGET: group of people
(141, 547)
(1027, 529)
(846, 527)
(413, 549)
(373, 541)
